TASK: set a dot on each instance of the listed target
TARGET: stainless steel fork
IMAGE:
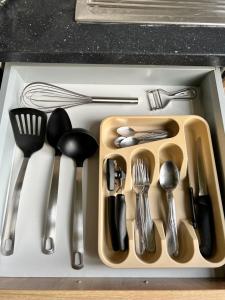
(144, 223)
(148, 223)
(138, 188)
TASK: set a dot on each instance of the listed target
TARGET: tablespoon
(169, 178)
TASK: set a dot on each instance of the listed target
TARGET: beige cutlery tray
(180, 148)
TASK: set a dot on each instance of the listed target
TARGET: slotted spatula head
(29, 127)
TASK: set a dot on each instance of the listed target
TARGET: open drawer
(102, 80)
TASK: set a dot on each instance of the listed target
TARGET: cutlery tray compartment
(180, 147)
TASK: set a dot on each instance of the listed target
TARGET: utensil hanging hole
(77, 260)
(49, 245)
(8, 245)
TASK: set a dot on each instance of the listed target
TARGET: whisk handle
(125, 100)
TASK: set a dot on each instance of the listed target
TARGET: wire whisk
(47, 97)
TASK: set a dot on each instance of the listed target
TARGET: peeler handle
(186, 93)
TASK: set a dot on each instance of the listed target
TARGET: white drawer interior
(28, 259)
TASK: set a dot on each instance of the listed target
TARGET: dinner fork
(148, 223)
(138, 188)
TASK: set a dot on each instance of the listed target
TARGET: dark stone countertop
(45, 31)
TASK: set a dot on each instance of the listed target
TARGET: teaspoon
(129, 131)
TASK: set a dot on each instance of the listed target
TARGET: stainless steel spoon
(169, 178)
(121, 141)
(129, 131)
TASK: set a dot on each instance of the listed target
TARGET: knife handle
(121, 222)
(117, 222)
(112, 223)
(205, 225)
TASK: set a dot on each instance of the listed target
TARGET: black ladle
(59, 122)
(79, 145)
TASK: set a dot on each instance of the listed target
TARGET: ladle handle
(171, 232)
(48, 246)
(77, 233)
(9, 226)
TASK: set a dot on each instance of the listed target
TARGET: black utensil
(79, 145)
(58, 123)
(117, 222)
(203, 203)
(29, 127)
(116, 207)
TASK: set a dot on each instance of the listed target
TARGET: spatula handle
(9, 225)
(77, 233)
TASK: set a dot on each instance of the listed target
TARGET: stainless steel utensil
(29, 132)
(129, 131)
(122, 142)
(148, 223)
(143, 220)
(169, 178)
(159, 98)
(79, 145)
(58, 124)
(47, 97)
(138, 188)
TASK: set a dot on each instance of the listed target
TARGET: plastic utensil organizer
(181, 148)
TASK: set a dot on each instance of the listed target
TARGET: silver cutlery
(143, 220)
(127, 141)
(169, 178)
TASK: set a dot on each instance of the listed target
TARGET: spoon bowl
(169, 175)
(58, 123)
(129, 141)
(125, 131)
(78, 144)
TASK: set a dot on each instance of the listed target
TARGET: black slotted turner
(29, 126)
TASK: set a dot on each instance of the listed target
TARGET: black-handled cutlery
(116, 206)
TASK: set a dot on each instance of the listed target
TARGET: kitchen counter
(45, 31)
